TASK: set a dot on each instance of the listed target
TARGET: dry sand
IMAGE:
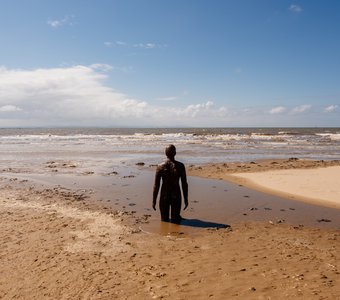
(306, 180)
(57, 245)
(321, 185)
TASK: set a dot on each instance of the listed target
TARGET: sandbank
(320, 185)
(306, 180)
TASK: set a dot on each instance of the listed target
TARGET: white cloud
(301, 109)
(124, 69)
(9, 108)
(71, 95)
(101, 67)
(120, 43)
(330, 108)
(295, 8)
(56, 23)
(149, 45)
(107, 68)
(194, 110)
(277, 110)
(108, 44)
(171, 98)
(78, 96)
(145, 46)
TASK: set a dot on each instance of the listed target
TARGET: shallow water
(212, 203)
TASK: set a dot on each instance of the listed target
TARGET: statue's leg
(164, 207)
(176, 210)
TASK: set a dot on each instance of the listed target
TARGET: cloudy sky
(169, 63)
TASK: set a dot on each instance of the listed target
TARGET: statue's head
(170, 151)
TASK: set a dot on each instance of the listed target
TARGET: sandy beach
(57, 244)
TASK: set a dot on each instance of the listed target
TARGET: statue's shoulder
(162, 166)
(179, 164)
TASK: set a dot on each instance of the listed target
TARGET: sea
(194, 145)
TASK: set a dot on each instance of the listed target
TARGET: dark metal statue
(171, 172)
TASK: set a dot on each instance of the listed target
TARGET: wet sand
(62, 239)
(211, 202)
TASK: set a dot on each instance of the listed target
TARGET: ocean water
(194, 145)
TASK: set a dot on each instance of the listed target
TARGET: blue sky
(169, 63)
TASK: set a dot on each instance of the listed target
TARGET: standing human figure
(171, 172)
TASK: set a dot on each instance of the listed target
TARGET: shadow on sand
(202, 224)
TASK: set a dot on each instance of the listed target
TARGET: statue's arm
(184, 183)
(156, 188)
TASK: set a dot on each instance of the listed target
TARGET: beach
(59, 242)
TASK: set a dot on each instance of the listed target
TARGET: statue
(171, 172)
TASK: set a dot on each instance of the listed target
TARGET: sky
(174, 63)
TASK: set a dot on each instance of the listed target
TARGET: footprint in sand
(267, 208)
